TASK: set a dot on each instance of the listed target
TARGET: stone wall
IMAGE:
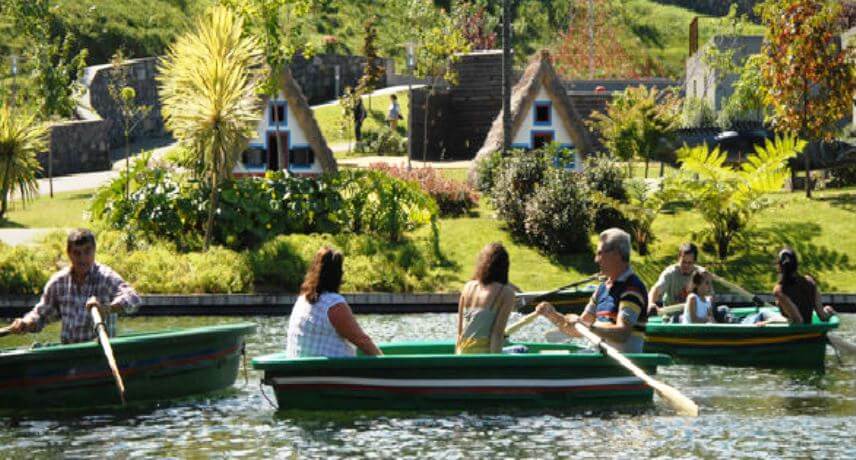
(438, 124)
(469, 109)
(141, 75)
(317, 75)
(78, 146)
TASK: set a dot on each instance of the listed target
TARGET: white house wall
(523, 136)
(296, 136)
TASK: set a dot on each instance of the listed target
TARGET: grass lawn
(329, 118)
(63, 210)
(820, 230)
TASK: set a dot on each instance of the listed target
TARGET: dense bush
(385, 141)
(604, 175)
(558, 219)
(453, 198)
(375, 202)
(518, 177)
(164, 204)
(487, 170)
(23, 271)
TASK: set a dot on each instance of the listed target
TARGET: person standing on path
(394, 113)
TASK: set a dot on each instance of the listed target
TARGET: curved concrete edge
(362, 303)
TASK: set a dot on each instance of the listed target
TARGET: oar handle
(676, 399)
(544, 295)
(521, 322)
(108, 351)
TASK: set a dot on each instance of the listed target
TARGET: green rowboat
(428, 375)
(774, 345)
(154, 366)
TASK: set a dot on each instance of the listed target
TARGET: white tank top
(702, 307)
(310, 332)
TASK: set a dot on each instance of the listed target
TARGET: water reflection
(759, 413)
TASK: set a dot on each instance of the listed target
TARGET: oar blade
(682, 404)
(842, 345)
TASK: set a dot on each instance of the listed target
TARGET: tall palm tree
(21, 139)
(208, 92)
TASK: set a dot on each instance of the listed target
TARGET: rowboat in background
(155, 366)
(775, 345)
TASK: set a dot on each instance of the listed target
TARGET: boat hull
(800, 346)
(428, 375)
(154, 367)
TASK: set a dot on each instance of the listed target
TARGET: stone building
(704, 83)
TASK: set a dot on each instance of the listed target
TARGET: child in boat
(485, 304)
(321, 322)
(698, 307)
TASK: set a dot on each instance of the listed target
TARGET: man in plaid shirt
(72, 292)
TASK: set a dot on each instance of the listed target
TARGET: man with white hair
(617, 311)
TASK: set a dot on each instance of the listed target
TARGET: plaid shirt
(66, 300)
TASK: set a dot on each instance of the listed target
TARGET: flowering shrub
(453, 198)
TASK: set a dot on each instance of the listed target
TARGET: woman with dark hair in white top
(321, 322)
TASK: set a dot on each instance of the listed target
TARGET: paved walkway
(380, 92)
(364, 162)
(90, 180)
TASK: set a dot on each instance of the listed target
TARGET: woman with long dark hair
(485, 304)
(321, 322)
(797, 295)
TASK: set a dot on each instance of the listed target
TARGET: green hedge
(371, 264)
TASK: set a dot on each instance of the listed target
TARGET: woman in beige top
(485, 303)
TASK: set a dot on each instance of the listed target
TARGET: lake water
(746, 413)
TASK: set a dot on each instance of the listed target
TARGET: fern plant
(727, 197)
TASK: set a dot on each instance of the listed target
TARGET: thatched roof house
(304, 151)
(541, 113)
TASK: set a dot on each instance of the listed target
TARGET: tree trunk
(662, 168)
(7, 189)
(212, 205)
(646, 168)
(805, 154)
(127, 165)
(276, 121)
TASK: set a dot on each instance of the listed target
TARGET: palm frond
(208, 84)
(22, 138)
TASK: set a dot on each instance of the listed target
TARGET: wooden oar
(5, 331)
(532, 316)
(520, 323)
(682, 404)
(835, 341)
(108, 351)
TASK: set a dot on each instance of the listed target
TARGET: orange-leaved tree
(809, 79)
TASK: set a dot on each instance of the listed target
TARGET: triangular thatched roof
(306, 120)
(539, 73)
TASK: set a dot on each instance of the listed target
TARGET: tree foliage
(22, 138)
(637, 121)
(594, 40)
(809, 79)
(748, 101)
(728, 197)
(208, 89)
(477, 24)
(53, 65)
